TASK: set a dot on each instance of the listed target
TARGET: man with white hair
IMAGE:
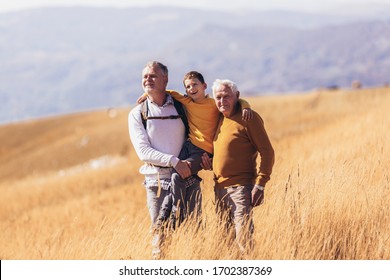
(239, 182)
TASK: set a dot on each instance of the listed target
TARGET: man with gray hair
(158, 130)
(239, 182)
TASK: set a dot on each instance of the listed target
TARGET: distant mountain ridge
(61, 60)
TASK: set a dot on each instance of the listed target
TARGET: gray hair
(228, 83)
(161, 66)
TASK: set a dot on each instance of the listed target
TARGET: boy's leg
(179, 192)
(178, 188)
(179, 185)
(194, 203)
(194, 199)
(193, 154)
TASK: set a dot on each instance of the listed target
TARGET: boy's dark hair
(193, 74)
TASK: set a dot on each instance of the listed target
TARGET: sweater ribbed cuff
(174, 161)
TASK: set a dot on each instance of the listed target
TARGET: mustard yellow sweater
(203, 119)
(236, 146)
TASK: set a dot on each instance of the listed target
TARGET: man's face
(195, 89)
(153, 80)
(225, 100)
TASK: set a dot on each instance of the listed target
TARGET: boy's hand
(142, 98)
(247, 114)
(207, 163)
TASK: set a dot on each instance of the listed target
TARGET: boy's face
(195, 89)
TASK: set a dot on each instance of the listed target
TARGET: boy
(203, 118)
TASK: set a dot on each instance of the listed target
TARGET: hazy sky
(304, 5)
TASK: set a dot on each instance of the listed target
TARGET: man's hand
(207, 163)
(257, 195)
(247, 114)
(183, 168)
(142, 98)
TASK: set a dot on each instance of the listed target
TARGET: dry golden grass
(70, 187)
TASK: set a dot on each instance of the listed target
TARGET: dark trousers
(180, 199)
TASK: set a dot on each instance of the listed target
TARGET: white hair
(228, 83)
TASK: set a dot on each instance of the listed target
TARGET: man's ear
(238, 94)
(205, 85)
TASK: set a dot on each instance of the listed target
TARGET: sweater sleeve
(183, 99)
(259, 138)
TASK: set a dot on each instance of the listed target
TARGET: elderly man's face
(153, 80)
(225, 100)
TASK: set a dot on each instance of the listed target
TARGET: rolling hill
(71, 188)
(65, 60)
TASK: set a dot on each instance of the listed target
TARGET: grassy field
(70, 187)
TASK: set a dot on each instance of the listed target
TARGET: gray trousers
(234, 206)
(154, 203)
(193, 200)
